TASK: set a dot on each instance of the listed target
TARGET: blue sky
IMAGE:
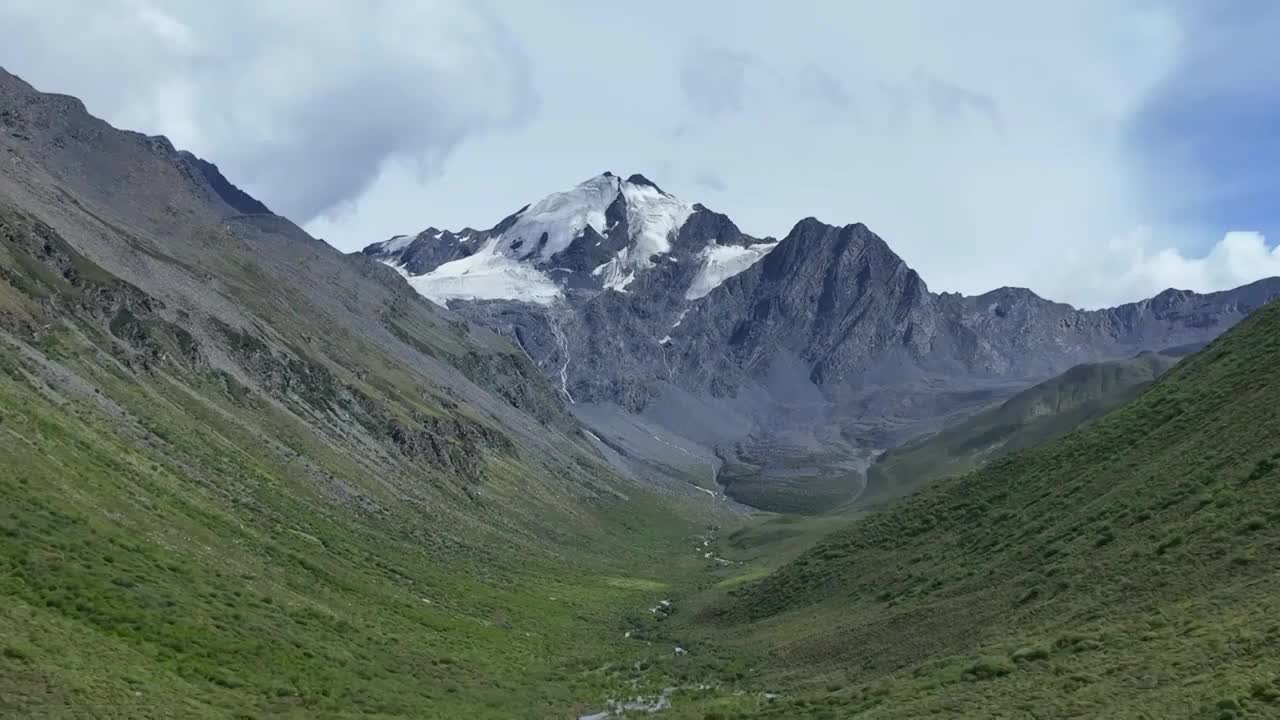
(1096, 152)
(1212, 121)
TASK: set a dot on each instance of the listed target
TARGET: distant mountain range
(684, 342)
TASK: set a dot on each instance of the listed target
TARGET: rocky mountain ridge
(825, 338)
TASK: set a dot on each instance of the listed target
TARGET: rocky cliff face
(843, 303)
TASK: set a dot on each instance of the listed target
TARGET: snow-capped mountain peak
(599, 235)
(550, 226)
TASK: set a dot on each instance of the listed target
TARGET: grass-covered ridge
(1128, 567)
(1033, 417)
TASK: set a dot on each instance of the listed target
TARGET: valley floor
(1212, 656)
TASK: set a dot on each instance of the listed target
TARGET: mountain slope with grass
(1128, 569)
(244, 475)
(1033, 417)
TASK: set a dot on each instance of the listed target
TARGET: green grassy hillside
(1033, 417)
(174, 543)
(1126, 570)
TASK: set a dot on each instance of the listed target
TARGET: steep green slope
(182, 568)
(1126, 570)
(243, 475)
(1034, 416)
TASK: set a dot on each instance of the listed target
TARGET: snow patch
(562, 216)
(395, 244)
(616, 274)
(721, 262)
(654, 218)
(562, 343)
(486, 275)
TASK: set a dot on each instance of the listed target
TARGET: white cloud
(714, 78)
(302, 102)
(1135, 266)
(709, 180)
(717, 81)
(822, 92)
